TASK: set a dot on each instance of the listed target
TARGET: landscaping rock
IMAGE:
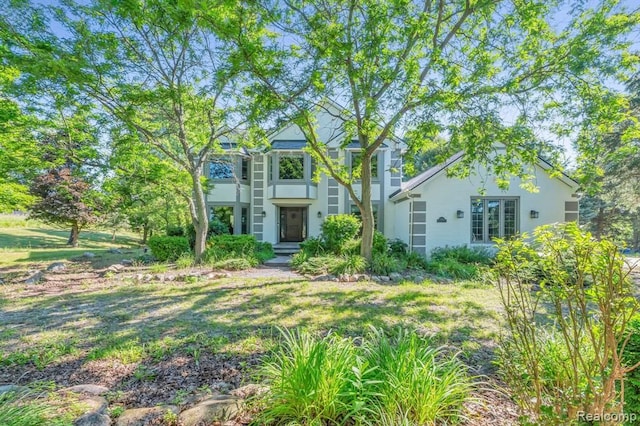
(93, 419)
(95, 414)
(115, 251)
(88, 255)
(35, 278)
(87, 389)
(13, 389)
(56, 267)
(126, 262)
(249, 391)
(220, 407)
(394, 276)
(327, 277)
(144, 416)
(384, 278)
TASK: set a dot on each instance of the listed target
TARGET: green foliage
(185, 260)
(338, 230)
(331, 380)
(313, 246)
(175, 231)
(350, 264)
(463, 254)
(236, 251)
(386, 263)
(631, 358)
(216, 227)
(558, 370)
(416, 261)
(380, 243)
(397, 247)
(452, 268)
(18, 410)
(167, 249)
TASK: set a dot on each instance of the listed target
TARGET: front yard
(169, 342)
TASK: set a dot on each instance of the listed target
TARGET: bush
(264, 251)
(223, 248)
(632, 357)
(313, 246)
(398, 247)
(557, 358)
(175, 231)
(331, 380)
(451, 268)
(216, 227)
(463, 254)
(352, 264)
(384, 264)
(337, 230)
(234, 245)
(185, 260)
(315, 265)
(416, 261)
(236, 264)
(380, 244)
(167, 249)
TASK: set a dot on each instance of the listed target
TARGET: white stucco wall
(444, 196)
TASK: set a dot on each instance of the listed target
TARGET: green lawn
(31, 243)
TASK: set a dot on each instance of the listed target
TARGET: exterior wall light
(534, 214)
(459, 214)
(264, 214)
(319, 215)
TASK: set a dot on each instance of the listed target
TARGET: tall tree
(148, 64)
(482, 71)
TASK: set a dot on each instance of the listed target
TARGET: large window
(291, 167)
(356, 161)
(355, 211)
(221, 169)
(244, 168)
(493, 218)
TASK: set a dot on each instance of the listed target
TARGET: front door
(293, 224)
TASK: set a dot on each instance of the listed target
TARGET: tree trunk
(145, 232)
(74, 235)
(366, 210)
(599, 224)
(636, 231)
(199, 216)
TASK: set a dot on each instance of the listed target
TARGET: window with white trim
(494, 217)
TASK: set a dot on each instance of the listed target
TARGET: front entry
(293, 224)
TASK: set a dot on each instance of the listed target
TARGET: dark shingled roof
(299, 144)
(418, 180)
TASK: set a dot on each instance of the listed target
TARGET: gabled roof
(428, 174)
(284, 144)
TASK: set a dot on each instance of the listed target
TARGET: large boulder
(95, 413)
(35, 278)
(13, 389)
(88, 389)
(219, 407)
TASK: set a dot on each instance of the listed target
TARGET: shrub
(384, 264)
(216, 227)
(316, 265)
(234, 245)
(557, 370)
(463, 254)
(380, 244)
(331, 380)
(398, 247)
(338, 230)
(168, 248)
(632, 357)
(264, 251)
(237, 264)
(451, 268)
(175, 231)
(351, 264)
(313, 246)
(416, 261)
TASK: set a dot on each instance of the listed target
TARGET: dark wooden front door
(293, 224)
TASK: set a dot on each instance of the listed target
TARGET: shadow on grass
(26, 238)
(153, 323)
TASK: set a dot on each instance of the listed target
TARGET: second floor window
(220, 169)
(291, 167)
(356, 161)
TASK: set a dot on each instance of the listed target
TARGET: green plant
(264, 251)
(397, 247)
(311, 380)
(316, 265)
(216, 227)
(158, 268)
(175, 231)
(574, 365)
(331, 380)
(168, 248)
(185, 260)
(350, 264)
(312, 246)
(337, 230)
(20, 410)
(385, 263)
(452, 268)
(462, 254)
(380, 243)
(414, 383)
(236, 264)
(416, 261)
(631, 358)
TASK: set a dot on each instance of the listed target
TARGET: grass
(151, 320)
(34, 244)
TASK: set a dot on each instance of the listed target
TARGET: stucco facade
(271, 194)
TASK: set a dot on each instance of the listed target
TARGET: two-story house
(270, 193)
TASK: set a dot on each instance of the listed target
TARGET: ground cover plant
(384, 380)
